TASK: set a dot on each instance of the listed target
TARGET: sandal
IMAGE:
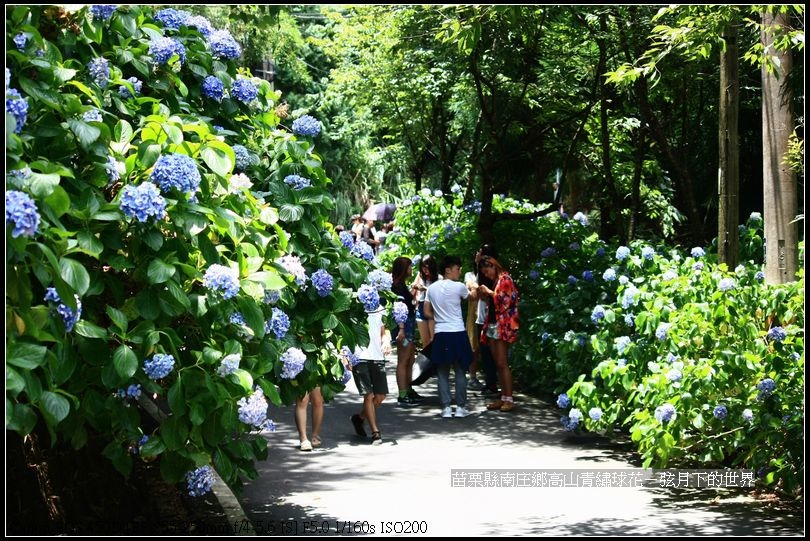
(376, 438)
(495, 405)
(316, 441)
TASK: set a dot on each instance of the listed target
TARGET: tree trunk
(781, 196)
(728, 181)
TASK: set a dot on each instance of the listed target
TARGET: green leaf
(89, 243)
(64, 74)
(177, 400)
(217, 160)
(42, 185)
(75, 275)
(159, 271)
(196, 414)
(26, 355)
(291, 213)
(14, 383)
(59, 202)
(175, 432)
(125, 362)
(253, 315)
(89, 330)
(23, 420)
(242, 378)
(153, 447)
(55, 405)
(84, 132)
(329, 322)
(153, 239)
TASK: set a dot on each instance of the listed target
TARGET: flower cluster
(102, 12)
(347, 375)
(292, 362)
(172, 18)
(159, 366)
(69, 317)
(609, 275)
(93, 115)
(587, 276)
(595, 414)
(400, 311)
(176, 171)
(18, 107)
(292, 264)
(229, 364)
(99, 69)
(271, 296)
(223, 45)
(279, 324)
(621, 343)
(307, 126)
(323, 282)
(133, 391)
(380, 279)
(697, 251)
(20, 41)
(200, 23)
(598, 313)
(572, 420)
(548, 252)
(662, 330)
(346, 239)
(720, 412)
(622, 253)
(581, 218)
(242, 156)
(369, 296)
(244, 90)
(726, 284)
(563, 401)
(665, 413)
(142, 201)
(124, 91)
(766, 387)
(22, 212)
(253, 411)
(647, 253)
(213, 88)
(200, 481)
(362, 250)
(297, 182)
(747, 415)
(349, 355)
(239, 182)
(222, 279)
(163, 49)
(777, 334)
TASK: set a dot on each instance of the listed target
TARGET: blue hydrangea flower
(747, 415)
(346, 239)
(172, 18)
(244, 90)
(323, 282)
(380, 279)
(665, 413)
(102, 12)
(674, 375)
(575, 416)
(563, 401)
(545, 336)
(572, 280)
(400, 311)
(766, 387)
(697, 267)
(662, 330)
(581, 218)
(163, 49)
(726, 284)
(621, 343)
(548, 252)
(133, 391)
(759, 276)
(622, 253)
(68, 315)
(600, 252)
(363, 250)
(223, 45)
(99, 71)
(271, 296)
(621, 362)
(587, 276)
(629, 296)
(159, 366)
(237, 318)
(349, 355)
(222, 279)
(595, 414)
(213, 88)
(176, 171)
(369, 296)
(229, 364)
(293, 362)
(609, 275)
(755, 217)
(18, 107)
(20, 41)
(598, 313)
(253, 410)
(630, 320)
(142, 202)
(93, 115)
(647, 253)
(777, 334)
(21, 210)
(533, 274)
(8, 77)
(200, 23)
(720, 412)
(297, 182)
(242, 155)
(200, 481)
(347, 375)
(455, 188)
(124, 91)
(624, 280)
(306, 125)
(279, 323)
(697, 251)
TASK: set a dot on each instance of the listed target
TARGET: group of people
(435, 309)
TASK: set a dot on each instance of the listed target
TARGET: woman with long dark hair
(403, 334)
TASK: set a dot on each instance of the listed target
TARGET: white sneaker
(462, 412)
(306, 445)
(447, 412)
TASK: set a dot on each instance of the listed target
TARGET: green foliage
(138, 288)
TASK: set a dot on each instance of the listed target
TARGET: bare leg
(317, 413)
(499, 351)
(301, 417)
(369, 412)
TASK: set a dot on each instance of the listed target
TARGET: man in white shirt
(451, 347)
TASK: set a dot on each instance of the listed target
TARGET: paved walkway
(404, 485)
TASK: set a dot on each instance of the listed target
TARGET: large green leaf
(26, 355)
(56, 405)
(159, 271)
(125, 362)
(217, 160)
(74, 274)
(84, 132)
(291, 213)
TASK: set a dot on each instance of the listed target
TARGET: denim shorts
(410, 330)
(420, 312)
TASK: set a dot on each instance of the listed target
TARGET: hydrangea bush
(139, 272)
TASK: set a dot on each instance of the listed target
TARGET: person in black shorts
(369, 376)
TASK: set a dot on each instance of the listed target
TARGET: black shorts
(369, 376)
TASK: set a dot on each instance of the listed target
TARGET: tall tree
(728, 182)
(781, 229)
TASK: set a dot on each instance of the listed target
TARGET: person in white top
(451, 347)
(369, 376)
